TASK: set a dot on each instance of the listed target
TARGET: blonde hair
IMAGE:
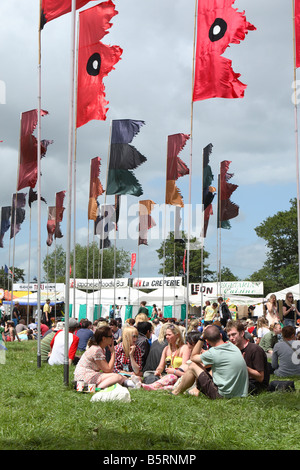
(193, 325)
(177, 331)
(162, 332)
(287, 301)
(127, 334)
(261, 322)
(141, 317)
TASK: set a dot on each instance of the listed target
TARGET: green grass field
(39, 412)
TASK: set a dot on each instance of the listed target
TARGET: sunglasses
(109, 336)
(135, 336)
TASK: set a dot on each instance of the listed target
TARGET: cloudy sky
(153, 83)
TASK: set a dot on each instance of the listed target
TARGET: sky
(153, 82)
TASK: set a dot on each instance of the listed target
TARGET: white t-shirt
(262, 331)
(57, 356)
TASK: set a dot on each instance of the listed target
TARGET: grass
(39, 412)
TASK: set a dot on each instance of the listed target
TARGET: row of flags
(218, 25)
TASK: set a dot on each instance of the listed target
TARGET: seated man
(58, 345)
(269, 340)
(286, 354)
(229, 372)
(254, 356)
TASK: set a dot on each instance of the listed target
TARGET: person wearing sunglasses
(93, 367)
(289, 310)
(129, 356)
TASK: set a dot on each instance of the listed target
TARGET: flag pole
(190, 174)
(296, 140)
(39, 361)
(69, 205)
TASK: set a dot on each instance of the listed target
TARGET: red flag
(96, 188)
(52, 9)
(95, 61)
(28, 149)
(133, 260)
(219, 24)
(297, 31)
(175, 168)
(51, 223)
(183, 262)
(59, 211)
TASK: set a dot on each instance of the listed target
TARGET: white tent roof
(280, 295)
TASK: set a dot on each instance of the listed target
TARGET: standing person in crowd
(272, 314)
(269, 340)
(46, 313)
(175, 354)
(254, 356)
(84, 334)
(289, 311)
(128, 355)
(286, 354)
(93, 367)
(224, 312)
(57, 345)
(154, 313)
(143, 308)
(16, 315)
(229, 376)
(117, 332)
(210, 313)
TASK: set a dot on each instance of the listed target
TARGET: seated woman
(173, 359)
(92, 367)
(10, 333)
(128, 360)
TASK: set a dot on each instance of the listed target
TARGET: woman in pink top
(93, 367)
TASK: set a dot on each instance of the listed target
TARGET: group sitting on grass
(211, 359)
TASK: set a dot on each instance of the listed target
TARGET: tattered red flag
(52, 9)
(95, 61)
(175, 168)
(219, 24)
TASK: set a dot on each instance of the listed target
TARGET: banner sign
(227, 288)
(96, 284)
(33, 287)
(155, 282)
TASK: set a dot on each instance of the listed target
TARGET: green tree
(86, 257)
(280, 233)
(18, 276)
(226, 275)
(173, 255)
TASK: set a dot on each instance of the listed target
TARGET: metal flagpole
(190, 176)
(69, 204)
(296, 142)
(39, 361)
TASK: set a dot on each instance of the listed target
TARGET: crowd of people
(214, 354)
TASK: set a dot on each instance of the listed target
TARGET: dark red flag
(175, 168)
(52, 9)
(219, 24)
(28, 149)
(95, 61)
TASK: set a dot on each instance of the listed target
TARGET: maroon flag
(51, 223)
(146, 222)
(18, 213)
(96, 188)
(59, 211)
(95, 61)
(226, 208)
(175, 168)
(52, 9)
(28, 149)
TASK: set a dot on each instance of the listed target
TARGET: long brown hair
(98, 336)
